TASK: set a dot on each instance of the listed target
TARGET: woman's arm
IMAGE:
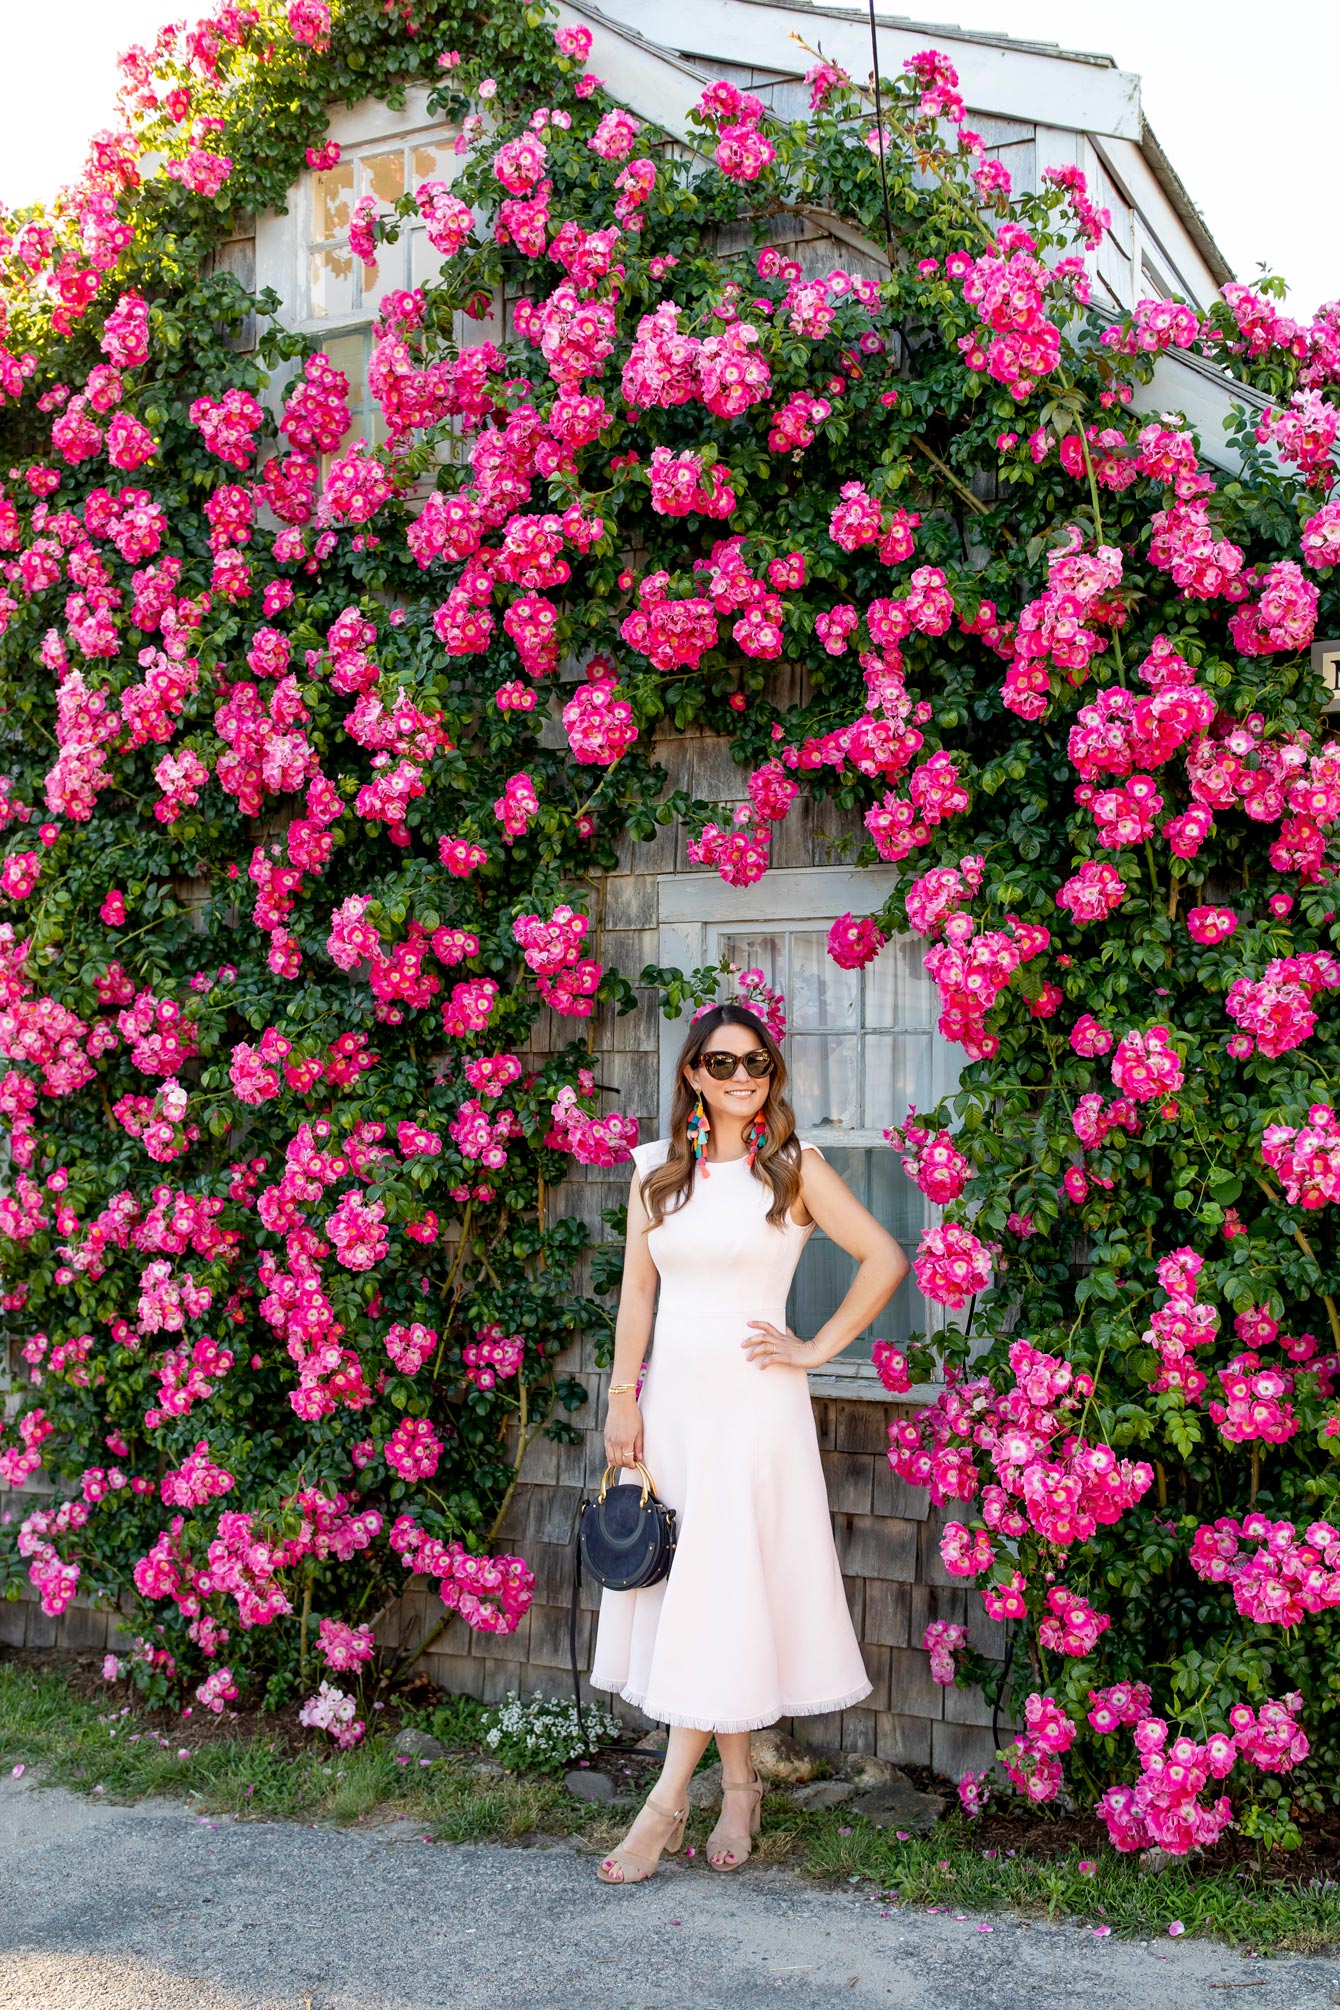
(632, 1330)
(829, 1201)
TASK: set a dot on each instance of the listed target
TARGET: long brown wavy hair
(778, 1160)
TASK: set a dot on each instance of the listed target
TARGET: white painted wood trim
(1015, 80)
(1169, 239)
(801, 893)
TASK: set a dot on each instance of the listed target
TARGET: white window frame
(286, 243)
(395, 262)
(693, 909)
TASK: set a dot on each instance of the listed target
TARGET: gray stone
(863, 1769)
(1153, 1861)
(412, 1744)
(780, 1760)
(822, 1794)
(486, 1771)
(590, 1786)
(655, 1741)
(900, 1807)
(705, 1787)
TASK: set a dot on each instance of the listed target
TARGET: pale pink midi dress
(752, 1622)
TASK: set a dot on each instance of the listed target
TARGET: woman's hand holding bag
(623, 1432)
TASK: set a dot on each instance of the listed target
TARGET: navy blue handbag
(626, 1538)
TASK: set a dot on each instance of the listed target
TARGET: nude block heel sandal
(644, 1867)
(738, 1848)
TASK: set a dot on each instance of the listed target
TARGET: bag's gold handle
(647, 1485)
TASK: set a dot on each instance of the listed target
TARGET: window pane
(822, 1282)
(331, 279)
(384, 176)
(349, 353)
(386, 276)
(332, 201)
(898, 1205)
(825, 1273)
(897, 990)
(822, 993)
(438, 163)
(896, 1202)
(824, 1081)
(757, 952)
(897, 1077)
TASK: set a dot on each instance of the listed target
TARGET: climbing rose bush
(315, 755)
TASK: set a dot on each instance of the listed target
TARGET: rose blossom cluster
(1275, 1577)
(344, 1648)
(1256, 1402)
(1045, 1477)
(1015, 292)
(330, 1709)
(931, 1160)
(1306, 1156)
(592, 1140)
(492, 1355)
(941, 1640)
(1033, 1761)
(971, 967)
(1275, 1011)
(491, 1593)
(742, 152)
(1180, 1325)
(1164, 1808)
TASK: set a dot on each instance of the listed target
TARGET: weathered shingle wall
(887, 1538)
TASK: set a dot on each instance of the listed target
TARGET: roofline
(1176, 191)
(692, 74)
(949, 31)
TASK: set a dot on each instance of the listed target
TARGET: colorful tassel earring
(699, 1131)
(755, 1138)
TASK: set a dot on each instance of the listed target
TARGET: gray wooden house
(862, 1045)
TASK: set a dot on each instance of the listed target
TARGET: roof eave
(1175, 189)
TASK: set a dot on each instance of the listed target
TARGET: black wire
(1000, 1692)
(879, 126)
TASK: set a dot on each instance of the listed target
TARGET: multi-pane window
(340, 296)
(340, 288)
(861, 1047)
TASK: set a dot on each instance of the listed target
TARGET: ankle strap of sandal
(656, 1808)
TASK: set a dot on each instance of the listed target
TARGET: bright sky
(1241, 98)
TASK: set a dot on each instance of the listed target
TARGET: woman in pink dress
(752, 1622)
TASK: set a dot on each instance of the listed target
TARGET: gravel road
(152, 1908)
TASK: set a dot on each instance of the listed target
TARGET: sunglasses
(722, 1065)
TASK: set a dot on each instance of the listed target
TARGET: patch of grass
(122, 1753)
(456, 1720)
(1255, 1908)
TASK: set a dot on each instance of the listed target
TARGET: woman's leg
(736, 1809)
(684, 1748)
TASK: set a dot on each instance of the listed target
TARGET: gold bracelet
(623, 1388)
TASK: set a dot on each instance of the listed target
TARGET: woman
(752, 1622)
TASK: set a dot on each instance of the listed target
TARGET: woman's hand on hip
(623, 1432)
(773, 1347)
